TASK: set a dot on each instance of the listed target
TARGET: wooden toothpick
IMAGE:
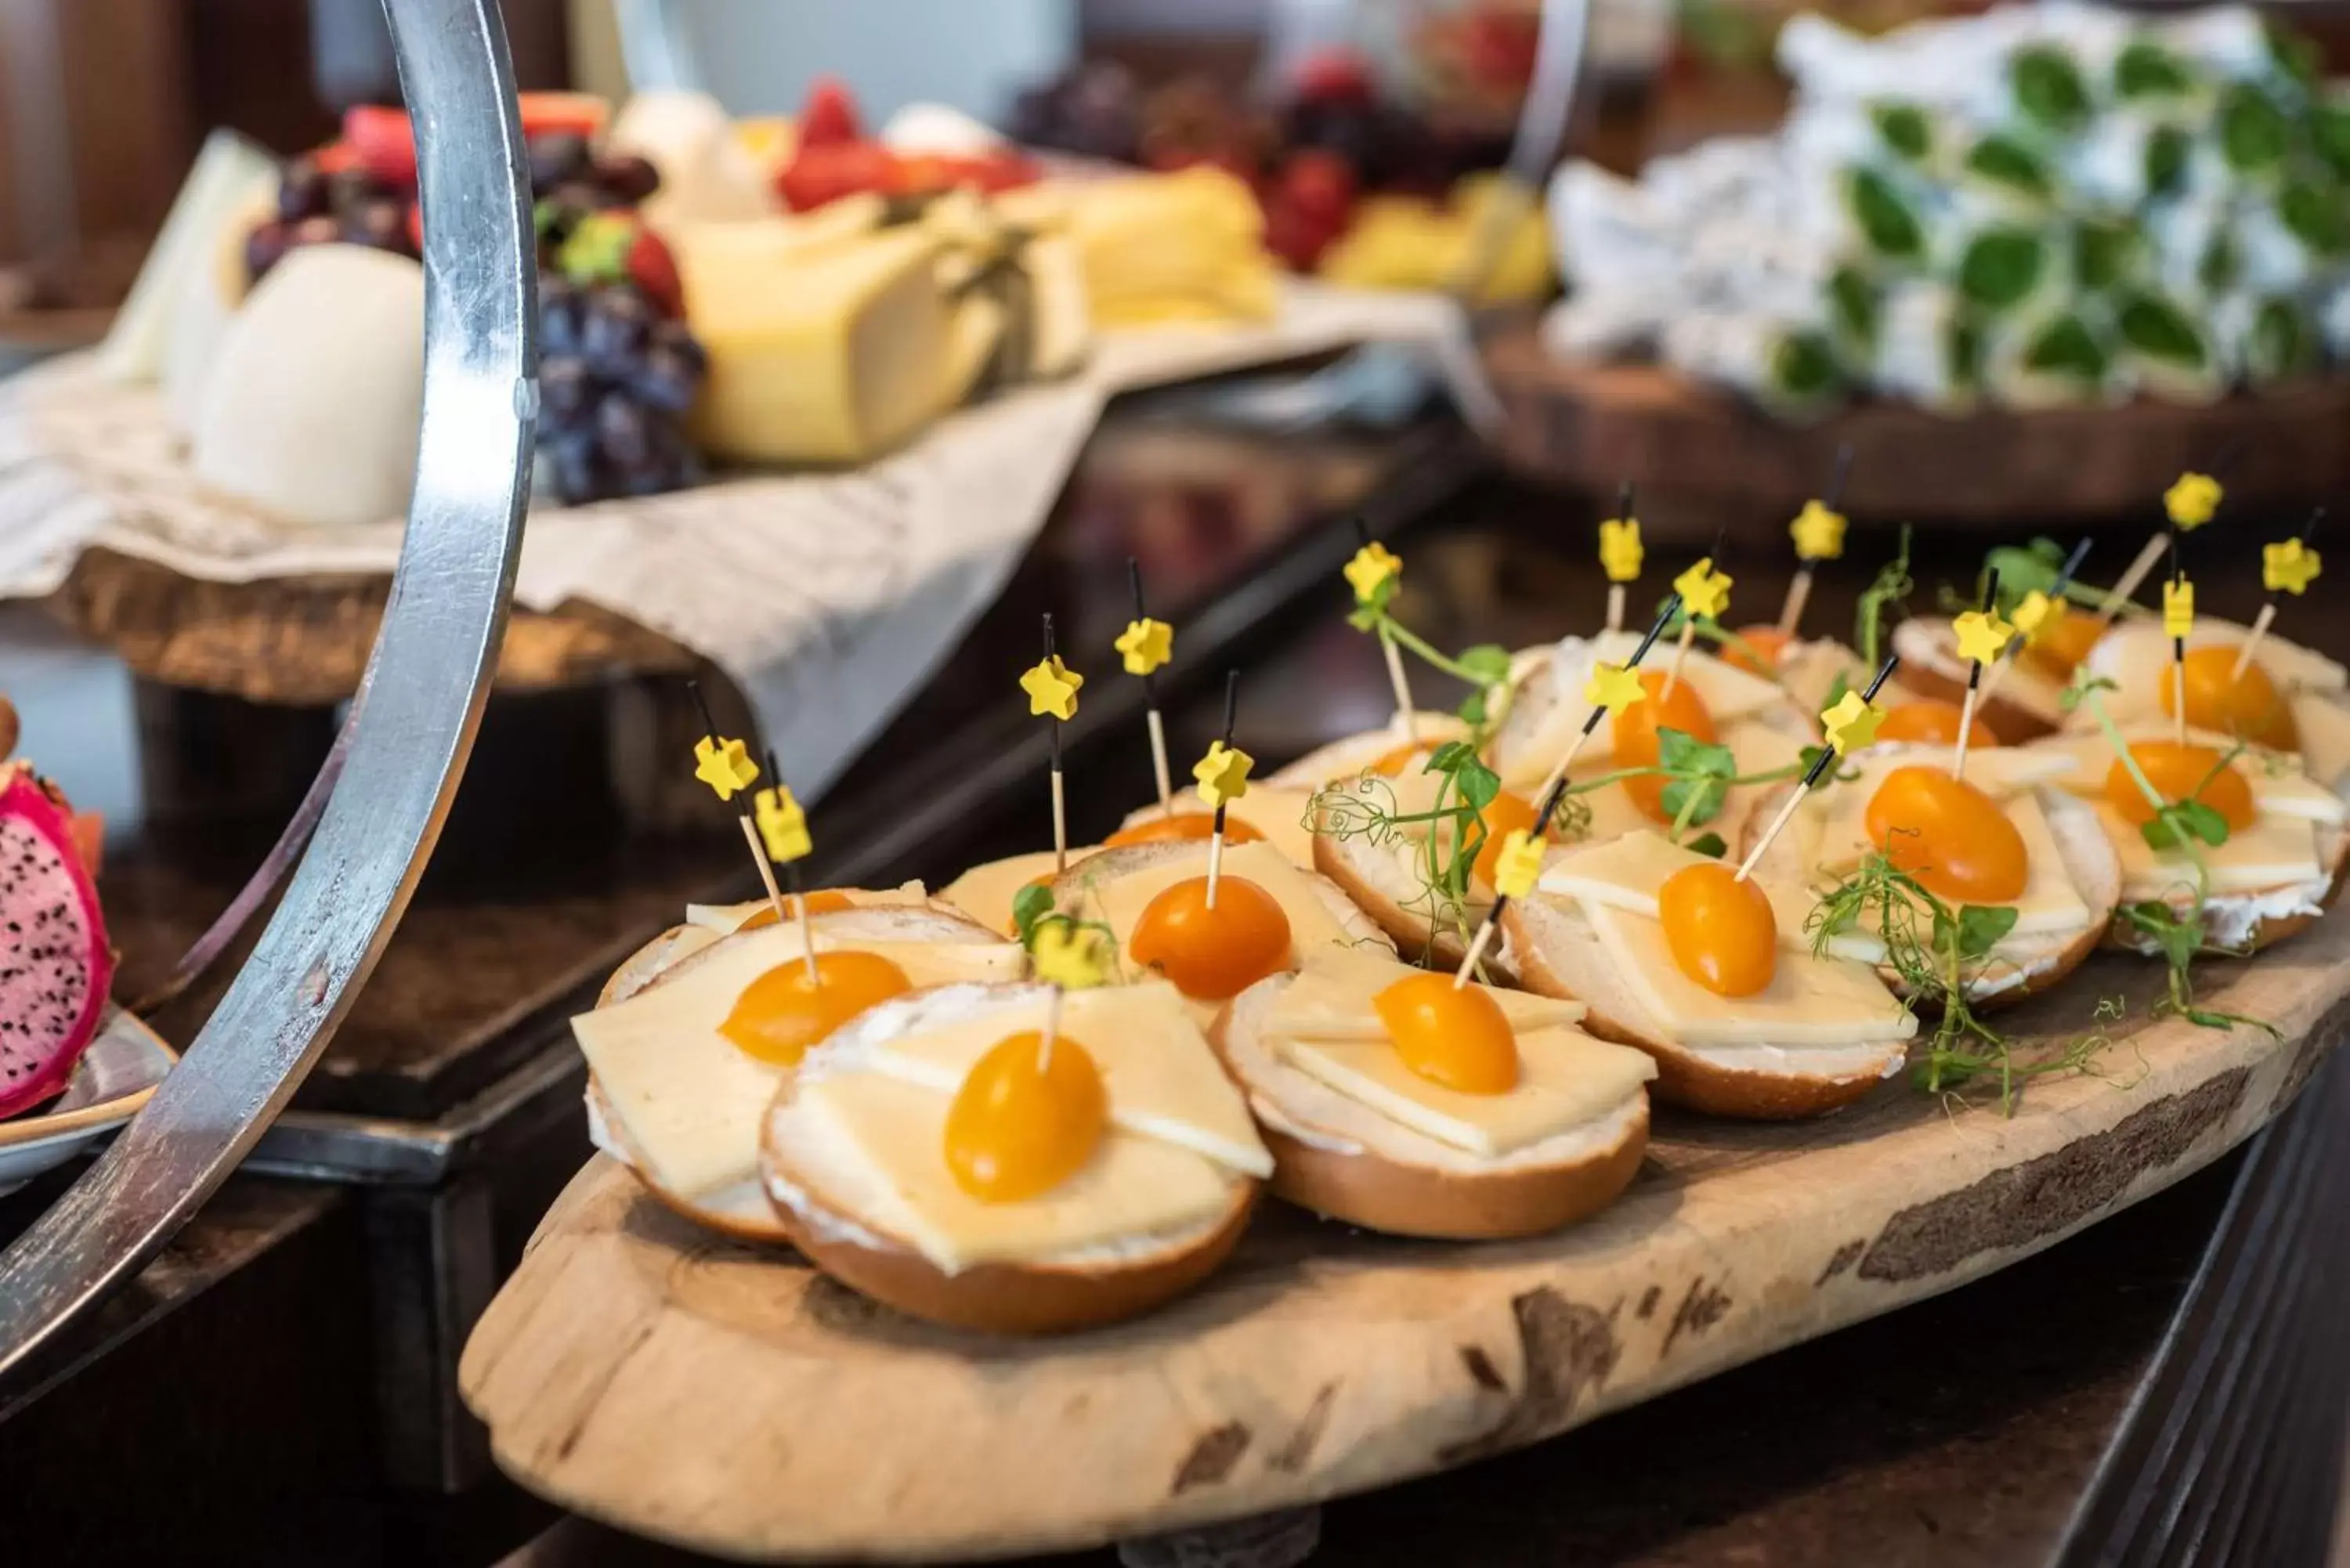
(1216, 833)
(1554, 782)
(1799, 588)
(1151, 701)
(1060, 797)
(2268, 608)
(1974, 684)
(792, 880)
(2177, 656)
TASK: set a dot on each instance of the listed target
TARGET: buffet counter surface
(2168, 1386)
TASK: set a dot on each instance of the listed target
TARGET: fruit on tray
(707, 174)
(2032, 208)
(618, 374)
(316, 395)
(55, 962)
(848, 360)
(231, 177)
(835, 159)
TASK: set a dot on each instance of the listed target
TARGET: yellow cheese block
(1120, 901)
(1565, 1080)
(824, 355)
(1162, 1078)
(2275, 851)
(689, 1100)
(881, 1143)
(985, 892)
(1331, 999)
(1809, 1002)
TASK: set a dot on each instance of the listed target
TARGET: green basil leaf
(2145, 70)
(2000, 267)
(1883, 215)
(1488, 663)
(1904, 130)
(1030, 905)
(1708, 844)
(1981, 927)
(2010, 164)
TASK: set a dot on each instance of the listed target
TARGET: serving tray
(657, 1377)
(1703, 459)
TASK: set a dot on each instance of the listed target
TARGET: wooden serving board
(666, 1381)
(1703, 459)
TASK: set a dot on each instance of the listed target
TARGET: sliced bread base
(1376, 883)
(1347, 1162)
(2022, 966)
(2243, 924)
(1557, 953)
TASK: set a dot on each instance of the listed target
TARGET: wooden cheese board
(1703, 459)
(664, 1380)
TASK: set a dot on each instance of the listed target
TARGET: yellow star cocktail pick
(782, 824)
(1072, 955)
(2289, 566)
(1051, 687)
(1982, 635)
(725, 766)
(1146, 645)
(1818, 531)
(2193, 500)
(1223, 775)
(1613, 688)
(1619, 549)
(1850, 723)
(2035, 613)
(2178, 608)
(1372, 574)
(1518, 866)
(1704, 591)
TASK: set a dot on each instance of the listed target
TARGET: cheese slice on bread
(853, 1157)
(1358, 1134)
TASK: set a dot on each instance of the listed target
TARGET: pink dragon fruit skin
(54, 963)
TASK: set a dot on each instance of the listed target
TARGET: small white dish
(110, 1082)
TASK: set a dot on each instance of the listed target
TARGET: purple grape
(622, 433)
(302, 191)
(613, 336)
(665, 379)
(264, 247)
(565, 390)
(576, 477)
(556, 158)
(627, 177)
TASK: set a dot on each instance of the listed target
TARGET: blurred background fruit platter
(2018, 262)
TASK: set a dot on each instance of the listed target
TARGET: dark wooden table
(1968, 1430)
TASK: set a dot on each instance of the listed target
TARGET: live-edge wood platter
(667, 1382)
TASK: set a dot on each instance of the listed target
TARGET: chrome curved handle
(434, 659)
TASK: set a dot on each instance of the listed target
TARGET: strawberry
(1333, 76)
(1320, 184)
(817, 175)
(580, 113)
(651, 267)
(382, 142)
(335, 157)
(829, 117)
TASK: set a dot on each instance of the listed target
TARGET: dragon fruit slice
(54, 963)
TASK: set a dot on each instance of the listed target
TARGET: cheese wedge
(1120, 902)
(689, 1099)
(985, 892)
(1161, 1076)
(851, 359)
(2275, 851)
(726, 920)
(1331, 999)
(1565, 1080)
(880, 1142)
(1809, 1002)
